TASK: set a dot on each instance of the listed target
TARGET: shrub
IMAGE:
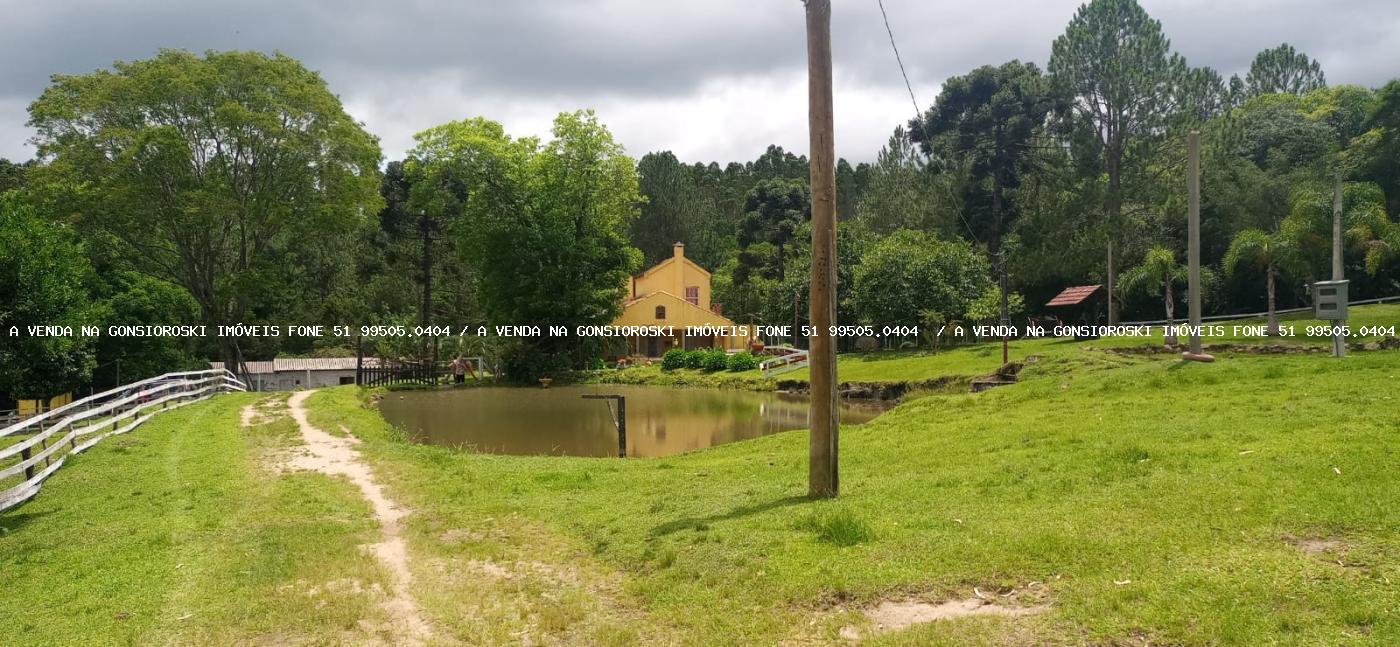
(674, 359)
(695, 359)
(714, 359)
(744, 361)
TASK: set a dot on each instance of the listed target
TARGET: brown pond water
(558, 421)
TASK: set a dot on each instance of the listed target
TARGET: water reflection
(660, 420)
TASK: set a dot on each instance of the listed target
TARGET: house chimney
(678, 250)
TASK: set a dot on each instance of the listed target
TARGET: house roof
(682, 303)
(667, 262)
(1074, 295)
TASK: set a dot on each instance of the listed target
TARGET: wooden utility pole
(1193, 235)
(823, 474)
(1339, 342)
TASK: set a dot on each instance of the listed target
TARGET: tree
(911, 272)
(1273, 253)
(989, 119)
(545, 226)
(1157, 275)
(136, 299)
(1383, 167)
(1117, 65)
(1283, 70)
(209, 171)
(43, 271)
(774, 214)
(902, 194)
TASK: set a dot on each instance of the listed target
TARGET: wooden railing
(47, 439)
(789, 359)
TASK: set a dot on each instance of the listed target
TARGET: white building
(287, 374)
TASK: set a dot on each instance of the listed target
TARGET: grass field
(1125, 499)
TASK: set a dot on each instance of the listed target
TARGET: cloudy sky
(709, 80)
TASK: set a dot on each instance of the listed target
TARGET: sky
(710, 80)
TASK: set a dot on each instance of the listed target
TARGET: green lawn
(1138, 500)
(1152, 501)
(178, 533)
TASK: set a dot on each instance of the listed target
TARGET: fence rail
(48, 439)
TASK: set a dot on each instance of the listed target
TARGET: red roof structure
(1074, 295)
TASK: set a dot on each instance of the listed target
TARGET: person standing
(459, 371)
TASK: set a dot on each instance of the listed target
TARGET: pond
(559, 421)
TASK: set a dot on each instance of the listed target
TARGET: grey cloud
(403, 66)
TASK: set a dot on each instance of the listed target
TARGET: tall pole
(1337, 227)
(823, 474)
(1339, 345)
(1005, 311)
(1193, 234)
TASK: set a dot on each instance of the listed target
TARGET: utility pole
(824, 416)
(1339, 343)
(1193, 235)
(1112, 303)
(425, 313)
(1005, 311)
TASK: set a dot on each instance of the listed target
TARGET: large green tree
(43, 277)
(1283, 70)
(988, 120)
(545, 226)
(1126, 88)
(775, 214)
(910, 273)
(211, 171)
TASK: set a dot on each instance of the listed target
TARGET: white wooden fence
(49, 438)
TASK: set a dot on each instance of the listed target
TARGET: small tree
(1156, 275)
(1273, 253)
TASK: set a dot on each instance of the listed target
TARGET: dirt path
(337, 456)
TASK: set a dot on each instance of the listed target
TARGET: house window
(660, 312)
(692, 294)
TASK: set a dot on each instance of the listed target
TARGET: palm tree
(1274, 253)
(1157, 273)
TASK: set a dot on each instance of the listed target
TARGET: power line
(918, 117)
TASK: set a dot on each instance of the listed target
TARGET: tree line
(232, 187)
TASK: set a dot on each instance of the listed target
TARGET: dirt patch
(329, 454)
(895, 615)
(1316, 546)
(262, 412)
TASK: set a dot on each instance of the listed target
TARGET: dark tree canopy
(774, 215)
(989, 119)
(1284, 70)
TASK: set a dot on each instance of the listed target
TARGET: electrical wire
(919, 115)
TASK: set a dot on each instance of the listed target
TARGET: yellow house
(676, 293)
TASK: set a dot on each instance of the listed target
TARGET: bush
(714, 359)
(674, 359)
(744, 361)
(695, 359)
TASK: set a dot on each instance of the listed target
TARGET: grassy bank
(1152, 501)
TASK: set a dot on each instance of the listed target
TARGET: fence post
(24, 456)
(621, 427)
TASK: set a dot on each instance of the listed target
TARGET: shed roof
(302, 364)
(1074, 295)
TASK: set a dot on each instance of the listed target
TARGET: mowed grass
(1143, 501)
(984, 358)
(179, 533)
(1135, 500)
